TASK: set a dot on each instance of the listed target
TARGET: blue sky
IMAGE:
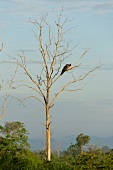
(89, 111)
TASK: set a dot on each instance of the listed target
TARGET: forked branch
(82, 77)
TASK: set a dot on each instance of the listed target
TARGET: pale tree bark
(54, 50)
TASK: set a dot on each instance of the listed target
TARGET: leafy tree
(13, 145)
(105, 149)
(53, 52)
(13, 136)
(82, 140)
(73, 149)
(94, 149)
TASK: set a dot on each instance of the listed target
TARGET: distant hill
(64, 142)
(40, 143)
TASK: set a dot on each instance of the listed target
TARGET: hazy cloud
(24, 7)
(93, 6)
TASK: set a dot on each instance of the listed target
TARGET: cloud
(22, 7)
(26, 7)
(103, 7)
(92, 6)
(37, 8)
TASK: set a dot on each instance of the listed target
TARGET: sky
(88, 111)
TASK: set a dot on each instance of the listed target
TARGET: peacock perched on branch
(66, 67)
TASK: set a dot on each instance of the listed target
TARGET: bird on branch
(66, 67)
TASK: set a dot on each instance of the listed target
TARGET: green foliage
(14, 135)
(73, 150)
(105, 149)
(21, 160)
(13, 144)
(91, 161)
(15, 154)
(82, 139)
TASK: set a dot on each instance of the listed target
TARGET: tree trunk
(48, 134)
(48, 130)
(82, 149)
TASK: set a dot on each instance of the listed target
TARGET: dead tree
(54, 50)
(6, 87)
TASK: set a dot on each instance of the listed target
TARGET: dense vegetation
(15, 153)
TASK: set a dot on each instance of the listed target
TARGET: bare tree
(6, 87)
(54, 50)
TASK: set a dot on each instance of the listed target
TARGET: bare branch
(7, 95)
(82, 77)
(1, 47)
(34, 97)
(84, 53)
(69, 29)
(73, 90)
(71, 68)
